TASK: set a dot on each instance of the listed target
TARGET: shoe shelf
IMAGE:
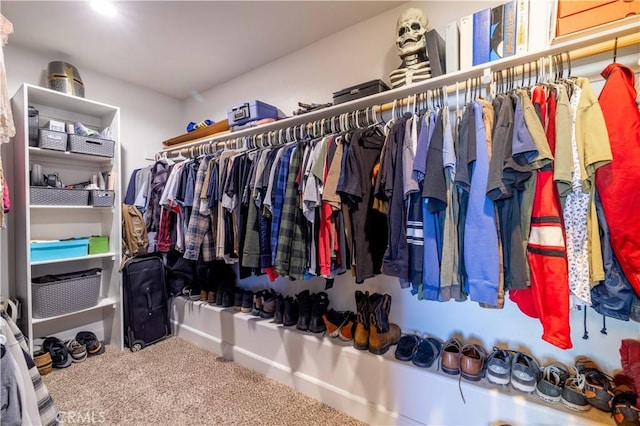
(73, 259)
(107, 301)
(373, 388)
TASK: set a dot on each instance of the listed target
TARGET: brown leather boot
(382, 334)
(361, 335)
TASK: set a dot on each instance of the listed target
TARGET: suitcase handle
(149, 304)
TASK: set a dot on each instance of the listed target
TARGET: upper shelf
(51, 98)
(625, 27)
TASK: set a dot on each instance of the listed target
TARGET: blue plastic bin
(56, 250)
(250, 111)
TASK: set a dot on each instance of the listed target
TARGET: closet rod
(625, 31)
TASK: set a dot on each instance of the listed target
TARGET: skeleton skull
(411, 28)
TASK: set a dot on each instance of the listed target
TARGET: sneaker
(573, 393)
(247, 302)
(499, 367)
(624, 407)
(524, 372)
(77, 350)
(549, 387)
(598, 387)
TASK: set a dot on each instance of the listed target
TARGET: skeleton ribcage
(404, 76)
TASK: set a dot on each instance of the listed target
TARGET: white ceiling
(179, 47)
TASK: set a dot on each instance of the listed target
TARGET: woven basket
(43, 196)
(65, 296)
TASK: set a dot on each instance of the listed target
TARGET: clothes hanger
(615, 50)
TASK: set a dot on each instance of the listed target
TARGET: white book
(522, 26)
(466, 42)
(452, 47)
(541, 13)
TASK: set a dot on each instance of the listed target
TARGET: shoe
(407, 347)
(237, 299)
(77, 351)
(598, 387)
(573, 393)
(549, 387)
(60, 357)
(450, 359)
(334, 321)
(291, 311)
(228, 295)
(43, 361)
(427, 352)
(348, 329)
(472, 359)
(524, 372)
(93, 345)
(203, 295)
(268, 305)
(219, 296)
(319, 305)
(257, 303)
(382, 333)
(499, 367)
(211, 297)
(361, 335)
(279, 309)
(304, 318)
(624, 406)
(247, 302)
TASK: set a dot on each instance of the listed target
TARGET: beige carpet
(177, 383)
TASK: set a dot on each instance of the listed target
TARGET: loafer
(407, 347)
(450, 359)
(427, 352)
(472, 361)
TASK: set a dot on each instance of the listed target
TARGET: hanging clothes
(617, 180)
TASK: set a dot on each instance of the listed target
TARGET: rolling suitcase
(146, 317)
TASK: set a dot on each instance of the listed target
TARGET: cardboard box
(580, 15)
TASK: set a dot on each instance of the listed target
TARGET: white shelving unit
(46, 222)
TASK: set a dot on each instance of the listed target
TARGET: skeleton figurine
(411, 30)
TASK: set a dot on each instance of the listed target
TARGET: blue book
(509, 29)
(496, 34)
(481, 42)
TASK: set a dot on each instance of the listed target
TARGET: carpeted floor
(175, 382)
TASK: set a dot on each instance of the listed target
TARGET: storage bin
(57, 250)
(359, 91)
(98, 244)
(101, 198)
(61, 294)
(250, 111)
(91, 145)
(576, 16)
(48, 139)
(46, 196)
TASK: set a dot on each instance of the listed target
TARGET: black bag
(146, 316)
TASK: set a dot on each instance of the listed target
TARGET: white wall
(146, 119)
(364, 52)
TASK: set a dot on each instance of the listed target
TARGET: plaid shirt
(279, 191)
(291, 246)
(199, 231)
